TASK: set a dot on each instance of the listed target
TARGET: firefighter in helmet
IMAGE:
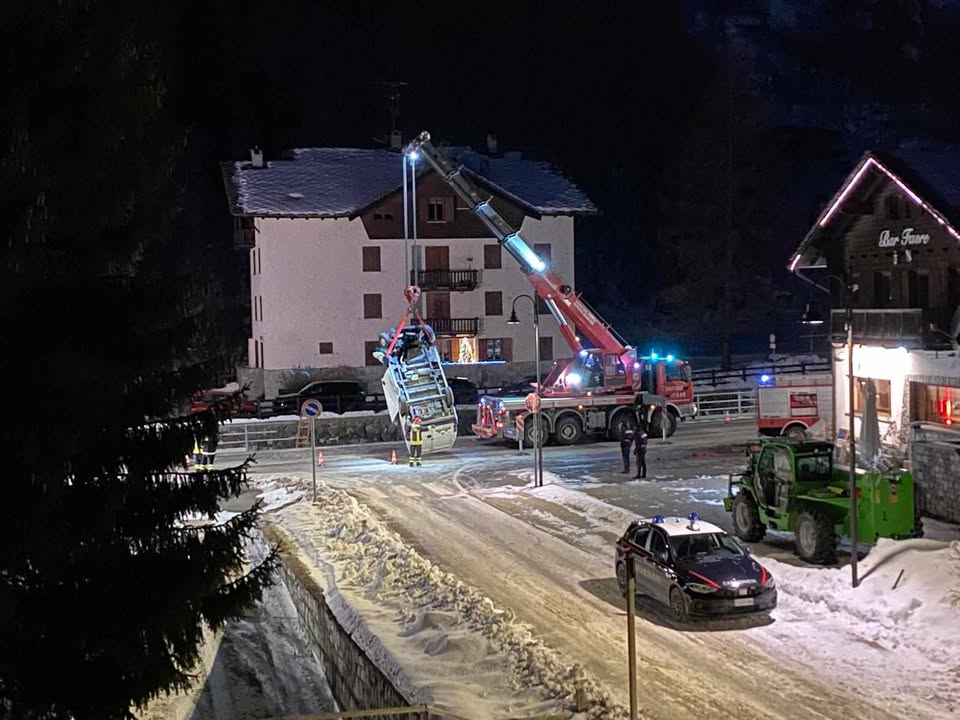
(415, 438)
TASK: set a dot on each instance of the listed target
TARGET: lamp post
(810, 318)
(538, 428)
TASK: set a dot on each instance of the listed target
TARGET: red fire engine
(796, 406)
(599, 389)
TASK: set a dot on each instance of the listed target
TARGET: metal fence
(715, 376)
(261, 435)
(738, 403)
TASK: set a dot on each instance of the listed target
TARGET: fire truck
(601, 389)
(796, 406)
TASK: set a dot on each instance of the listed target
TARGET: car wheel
(657, 424)
(530, 434)
(796, 434)
(814, 537)
(568, 430)
(679, 605)
(746, 518)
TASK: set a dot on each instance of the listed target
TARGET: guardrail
(713, 376)
(738, 403)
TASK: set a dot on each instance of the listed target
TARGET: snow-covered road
(544, 557)
(565, 589)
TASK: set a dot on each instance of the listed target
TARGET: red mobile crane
(597, 390)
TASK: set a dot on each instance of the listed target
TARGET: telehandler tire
(746, 518)
(815, 539)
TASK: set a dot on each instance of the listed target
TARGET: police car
(693, 567)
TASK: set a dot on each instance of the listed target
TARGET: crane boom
(568, 309)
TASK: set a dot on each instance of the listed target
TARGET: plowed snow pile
(875, 639)
(454, 648)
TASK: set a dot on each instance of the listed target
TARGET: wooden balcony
(457, 280)
(891, 327)
(454, 326)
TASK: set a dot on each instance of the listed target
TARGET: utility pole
(632, 635)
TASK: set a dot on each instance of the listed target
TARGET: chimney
(491, 144)
(396, 140)
(256, 157)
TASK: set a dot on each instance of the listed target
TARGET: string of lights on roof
(872, 161)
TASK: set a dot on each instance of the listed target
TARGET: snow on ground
(887, 642)
(461, 652)
(260, 666)
(902, 645)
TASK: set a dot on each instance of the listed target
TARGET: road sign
(311, 409)
(532, 402)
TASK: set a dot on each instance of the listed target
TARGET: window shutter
(482, 349)
(506, 349)
(448, 209)
(422, 205)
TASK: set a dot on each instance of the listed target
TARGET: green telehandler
(794, 486)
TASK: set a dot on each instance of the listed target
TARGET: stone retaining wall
(356, 681)
(936, 469)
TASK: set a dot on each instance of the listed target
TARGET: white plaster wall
(468, 254)
(894, 364)
(311, 282)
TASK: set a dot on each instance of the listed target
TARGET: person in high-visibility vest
(415, 436)
(197, 459)
(209, 452)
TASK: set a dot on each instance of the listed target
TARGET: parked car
(693, 567)
(240, 406)
(464, 391)
(520, 388)
(337, 396)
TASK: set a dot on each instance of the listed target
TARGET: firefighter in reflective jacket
(415, 436)
(208, 453)
(197, 457)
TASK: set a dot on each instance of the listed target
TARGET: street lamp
(538, 428)
(813, 318)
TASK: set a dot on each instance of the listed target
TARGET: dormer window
(435, 210)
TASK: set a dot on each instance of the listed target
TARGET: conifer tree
(107, 330)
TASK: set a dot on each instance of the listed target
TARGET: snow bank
(475, 658)
(892, 643)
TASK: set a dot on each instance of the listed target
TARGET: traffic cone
(320, 458)
(727, 418)
(393, 457)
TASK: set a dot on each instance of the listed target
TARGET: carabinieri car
(693, 567)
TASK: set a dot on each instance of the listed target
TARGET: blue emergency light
(669, 358)
(694, 518)
(653, 355)
(658, 518)
(764, 379)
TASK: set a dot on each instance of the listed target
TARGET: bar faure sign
(906, 238)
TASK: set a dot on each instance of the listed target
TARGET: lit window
(883, 397)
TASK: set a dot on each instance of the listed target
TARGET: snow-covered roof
(675, 526)
(342, 182)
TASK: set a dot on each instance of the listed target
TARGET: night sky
(636, 101)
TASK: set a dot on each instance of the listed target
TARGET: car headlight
(701, 587)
